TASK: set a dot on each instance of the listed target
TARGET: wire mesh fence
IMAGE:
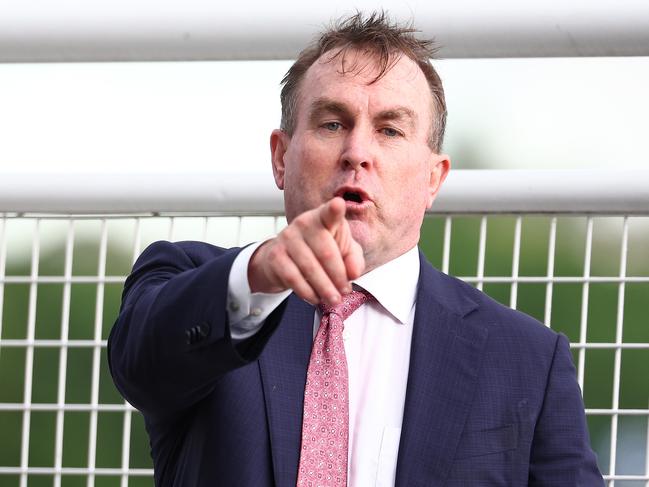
(64, 424)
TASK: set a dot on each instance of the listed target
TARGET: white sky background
(217, 116)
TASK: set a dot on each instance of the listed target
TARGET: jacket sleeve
(561, 454)
(171, 341)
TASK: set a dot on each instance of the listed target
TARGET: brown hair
(377, 35)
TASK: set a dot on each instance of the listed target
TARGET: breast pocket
(387, 465)
(486, 442)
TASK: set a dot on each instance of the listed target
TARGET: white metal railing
(465, 191)
(568, 247)
(204, 30)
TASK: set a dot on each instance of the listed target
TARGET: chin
(361, 233)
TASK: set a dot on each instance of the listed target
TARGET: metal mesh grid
(63, 422)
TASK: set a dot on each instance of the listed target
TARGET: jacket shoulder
(478, 308)
(194, 251)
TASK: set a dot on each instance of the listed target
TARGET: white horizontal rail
(471, 279)
(465, 191)
(120, 408)
(146, 30)
(149, 472)
(44, 343)
(141, 472)
(51, 343)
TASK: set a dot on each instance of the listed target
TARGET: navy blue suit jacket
(491, 400)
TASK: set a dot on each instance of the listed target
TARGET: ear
(278, 144)
(440, 166)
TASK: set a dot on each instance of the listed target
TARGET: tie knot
(350, 303)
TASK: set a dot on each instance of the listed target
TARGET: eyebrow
(327, 105)
(399, 114)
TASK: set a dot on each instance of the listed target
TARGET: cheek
(296, 168)
(307, 177)
(314, 166)
(409, 191)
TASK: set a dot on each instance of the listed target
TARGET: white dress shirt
(377, 340)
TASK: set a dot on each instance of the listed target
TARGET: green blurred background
(565, 317)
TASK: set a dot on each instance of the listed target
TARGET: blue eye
(333, 126)
(390, 132)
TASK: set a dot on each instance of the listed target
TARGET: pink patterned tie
(325, 424)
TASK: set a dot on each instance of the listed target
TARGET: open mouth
(352, 196)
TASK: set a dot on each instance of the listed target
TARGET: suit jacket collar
(445, 357)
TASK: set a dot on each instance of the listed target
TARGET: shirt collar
(394, 284)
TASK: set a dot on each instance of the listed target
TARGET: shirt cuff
(247, 311)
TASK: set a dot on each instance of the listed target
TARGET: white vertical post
(446, 252)
(513, 298)
(279, 224)
(172, 228)
(239, 230)
(583, 326)
(481, 251)
(3, 263)
(63, 354)
(96, 354)
(552, 243)
(126, 430)
(618, 344)
(137, 240)
(204, 232)
(29, 355)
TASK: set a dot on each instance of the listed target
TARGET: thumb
(332, 213)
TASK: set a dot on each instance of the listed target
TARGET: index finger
(332, 213)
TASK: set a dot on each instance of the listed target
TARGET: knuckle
(275, 253)
(291, 278)
(288, 233)
(301, 222)
(327, 254)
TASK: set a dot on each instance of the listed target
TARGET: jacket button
(197, 333)
(190, 335)
(203, 329)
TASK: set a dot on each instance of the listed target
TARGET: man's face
(367, 143)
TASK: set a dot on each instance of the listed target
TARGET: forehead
(350, 77)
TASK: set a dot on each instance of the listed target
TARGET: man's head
(362, 120)
(377, 37)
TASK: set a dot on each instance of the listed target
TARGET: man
(427, 383)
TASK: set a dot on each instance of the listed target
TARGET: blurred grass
(566, 316)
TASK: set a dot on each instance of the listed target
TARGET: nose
(357, 151)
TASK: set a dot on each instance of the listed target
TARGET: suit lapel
(283, 366)
(444, 363)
